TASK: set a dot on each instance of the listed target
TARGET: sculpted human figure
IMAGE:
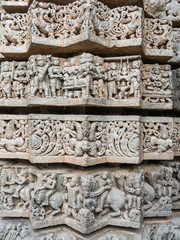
(39, 83)
(66, 76)
(55, 77)
(123, 82)
(49, 185)
(99, 77)
(111, 80)
(105, 185)
(86, 73)
(155, 79)
(135, 79)
(6, 81)
(20, 80)
(166, 79)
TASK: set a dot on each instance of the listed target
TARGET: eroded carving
(14, 79)
(14, 29)
(58, 22)
(157, 34)
(158, 137)
(157, 85)
(164, 9)
(157, 192)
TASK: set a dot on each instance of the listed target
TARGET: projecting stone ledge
(89, 140)
(51, 28)
(91, 199)
(87, 80)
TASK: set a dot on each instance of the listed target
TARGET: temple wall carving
(87, 80)
(89, 120)
(87, 140)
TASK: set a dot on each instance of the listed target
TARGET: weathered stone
(176, 46)
(176, 88)
(86, 80)
(90, 198)
(90, 23)
(89, 140)
(163, 9)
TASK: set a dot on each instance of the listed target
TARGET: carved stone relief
(176, 87)
(175, 165)
(176, 46)
(86, 80)
(87, 140)
(157, 36)
(163, 9)
(62, 26)
(89, 199)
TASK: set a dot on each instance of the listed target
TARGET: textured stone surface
(89, 140)
(86, 80)
(96, 27)
(89, 121)
(90, 198)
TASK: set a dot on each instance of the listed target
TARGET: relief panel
(63, 26)
(87, 80)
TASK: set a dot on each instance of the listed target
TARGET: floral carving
(59, 22)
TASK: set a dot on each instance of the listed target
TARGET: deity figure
(40, 81)
(135, 79)
(55, 77)
(86, 73)
(111, 80)
(99, 78)
(20, 80)
(6, 81)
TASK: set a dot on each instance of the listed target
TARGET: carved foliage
(59, 22)
(94, 139)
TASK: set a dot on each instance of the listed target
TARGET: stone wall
(89, 120)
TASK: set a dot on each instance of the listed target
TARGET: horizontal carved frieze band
(89, 140)
(158, 9)
(62, 26)
(151, 230)
(86, 80)
(89, 199)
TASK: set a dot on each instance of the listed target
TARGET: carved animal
(164, 232)
(175, 190)
(115, 200)
(55, 201)
(148, 196)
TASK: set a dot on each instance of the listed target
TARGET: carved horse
(55, 201)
